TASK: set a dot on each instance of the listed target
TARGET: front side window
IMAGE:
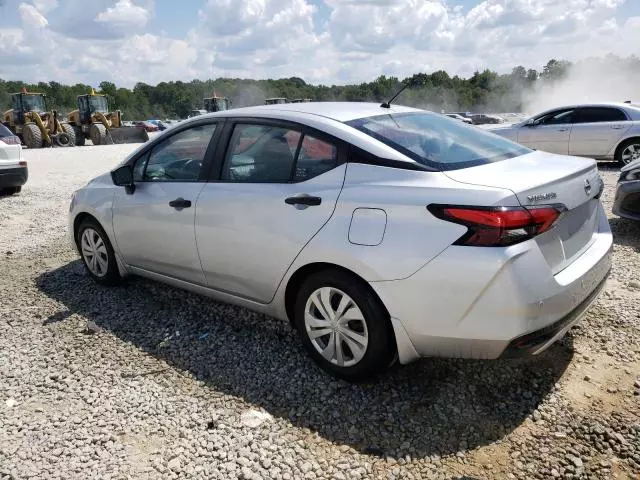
(180, 157)
(557, 117)
(599, 114)
(437, 141)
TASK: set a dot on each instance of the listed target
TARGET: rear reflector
(498, 226)
(22, 163)
(10, 140)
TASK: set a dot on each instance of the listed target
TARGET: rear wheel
(344, 326)
(97, 253)
(32, 136)
(629, 151)
(79, 136)
(10, 190)
(98, 134)
(69, 130)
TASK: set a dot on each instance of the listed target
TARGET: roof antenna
(408, 83)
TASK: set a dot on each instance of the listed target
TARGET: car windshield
(33, 103)
(437, 141)
(98, 103)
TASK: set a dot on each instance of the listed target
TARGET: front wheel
(629, 151)
(97, 253)
(98, 134)
(344, 326)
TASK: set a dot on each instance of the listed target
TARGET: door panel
(597, 130)
(155, 236)
(549, 132)
(154, 225)
(548, 138)
(279, 188)
(248, 235)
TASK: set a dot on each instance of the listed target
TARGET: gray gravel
(146, 381)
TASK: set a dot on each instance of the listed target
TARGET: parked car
(459, 117)
(485, 119)
(380, 233)
(13, 169)
(158, 123)
(627, 200)
(149, 127)
(604, 131)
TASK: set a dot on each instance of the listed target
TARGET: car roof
(596, 104)
(339, 111)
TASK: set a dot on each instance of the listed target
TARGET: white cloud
(125, 13)
(357, 40)
(45, 6)
(31, 16)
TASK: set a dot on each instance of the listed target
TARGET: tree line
(484, 90)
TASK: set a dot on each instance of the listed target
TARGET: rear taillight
(498, 226)
(10, 140)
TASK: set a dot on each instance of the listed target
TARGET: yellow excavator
(93, 120)
(37, 127)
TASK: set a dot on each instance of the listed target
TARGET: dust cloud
(594, 80)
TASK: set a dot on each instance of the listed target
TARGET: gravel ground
(146, 381)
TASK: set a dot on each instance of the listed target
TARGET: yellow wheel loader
(216, 103)
(93, 120)
(30, 120)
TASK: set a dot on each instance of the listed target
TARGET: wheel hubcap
(94, 252)
(631, 153)
(336, 326)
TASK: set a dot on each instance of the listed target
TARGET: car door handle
(306, 200)
(180, 203)
(563, 129)
(617, 127)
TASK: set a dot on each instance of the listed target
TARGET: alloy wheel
(631, 153)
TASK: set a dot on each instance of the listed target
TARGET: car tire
(356, 342)
(624, 155)
(97, 253)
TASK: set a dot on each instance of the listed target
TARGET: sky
(322, 41)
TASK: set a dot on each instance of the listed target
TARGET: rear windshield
(437, 141)
(5, 132)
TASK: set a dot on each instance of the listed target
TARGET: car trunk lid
(540, 178)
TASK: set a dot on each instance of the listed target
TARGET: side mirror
(123, 177)
(530, 123)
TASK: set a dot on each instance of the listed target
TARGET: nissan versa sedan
(604, 131)
(381, 234)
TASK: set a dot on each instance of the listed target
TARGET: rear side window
(599, 114)
(437, 141)
(273, 154)
(316, 157)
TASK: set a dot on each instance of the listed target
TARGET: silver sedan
(381, 234)
(604, 131)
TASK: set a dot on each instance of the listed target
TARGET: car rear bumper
(13, 176)
(472, 302)
(627, 200)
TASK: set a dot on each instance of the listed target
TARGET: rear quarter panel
(412, 237)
